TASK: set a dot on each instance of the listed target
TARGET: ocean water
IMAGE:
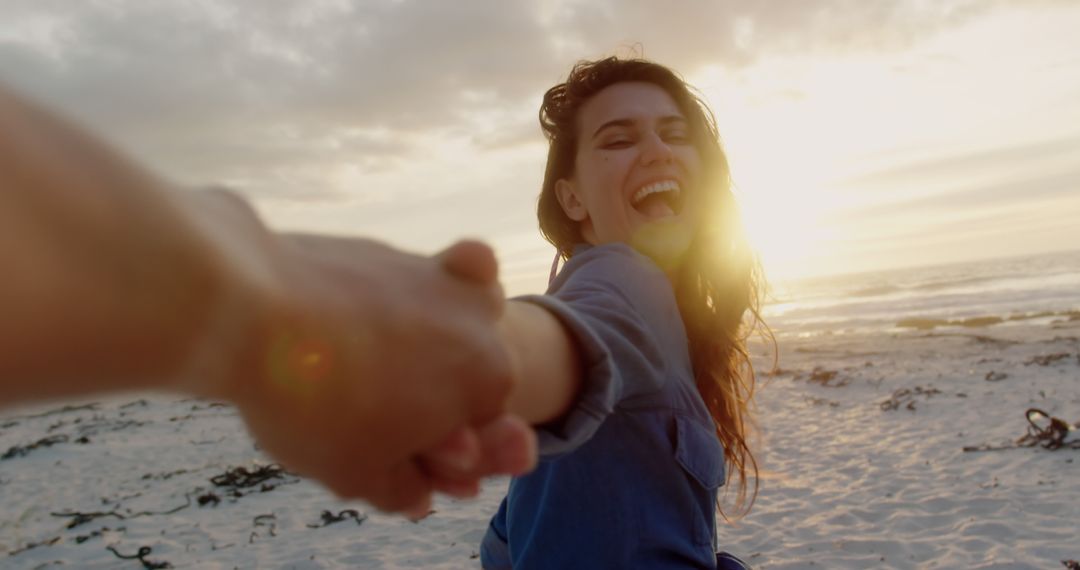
(986, 293)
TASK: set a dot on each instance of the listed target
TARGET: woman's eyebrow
(669, 119)
(665, 120)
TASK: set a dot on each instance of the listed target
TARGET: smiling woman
(635, 167)
(658, 279)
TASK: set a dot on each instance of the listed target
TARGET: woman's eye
(617, 143)
(676, 137)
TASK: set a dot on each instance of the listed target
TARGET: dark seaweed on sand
(329, 518)
(240, 477)
(80, 518)
(164, 476)
(94, 534)
(23, 450)
(63, 410)
(824, 377)
(1051, 437)
(905, 397)
(101, 424)
(266, 477)
(821, 402)
(33, 545)
(1047, 359)
(259, 521)
(141, 555)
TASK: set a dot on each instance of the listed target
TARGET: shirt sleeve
(494, 550)
(620, 310)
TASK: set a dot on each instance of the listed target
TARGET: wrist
(509, 331)
(243, 256)
(547, 369)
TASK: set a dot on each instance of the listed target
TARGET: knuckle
(232, 198)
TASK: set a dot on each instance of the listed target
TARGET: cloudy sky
(863, 134)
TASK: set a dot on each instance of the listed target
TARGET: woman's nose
(655, 149)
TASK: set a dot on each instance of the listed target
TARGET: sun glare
(784, 219)
(792, 128)
(781, 168)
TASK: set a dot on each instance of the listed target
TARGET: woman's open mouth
(658, 200)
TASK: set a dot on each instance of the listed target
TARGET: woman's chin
(665, 241)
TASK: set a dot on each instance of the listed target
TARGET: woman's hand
(367, 357)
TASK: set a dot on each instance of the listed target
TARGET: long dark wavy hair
(718, 286)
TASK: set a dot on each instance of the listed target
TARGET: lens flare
(297, 362)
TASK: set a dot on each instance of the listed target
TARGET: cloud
(273, 93)
(1001, 200)
(918, 171)
(224, 90)
(737, 32)
(371, 63)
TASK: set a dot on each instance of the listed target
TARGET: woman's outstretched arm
(547, 362)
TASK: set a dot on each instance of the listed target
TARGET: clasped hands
(383, 374)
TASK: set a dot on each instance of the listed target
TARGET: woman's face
(636, 168)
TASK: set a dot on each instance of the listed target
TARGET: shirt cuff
(600, 382)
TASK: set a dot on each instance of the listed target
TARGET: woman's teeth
(655, 188)
(657, 200)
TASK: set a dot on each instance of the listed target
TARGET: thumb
(508, 445)
(472, 261)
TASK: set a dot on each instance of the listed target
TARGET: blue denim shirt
(628, 477)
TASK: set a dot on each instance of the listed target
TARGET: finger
(457, 456)
(508, 446)
(418, 510)
(452, 466)
(472, 261)
(457, 488)
(406, 489)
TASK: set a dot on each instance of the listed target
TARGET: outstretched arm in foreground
(347, 358)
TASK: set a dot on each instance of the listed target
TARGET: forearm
(109, 276)
(548, 366)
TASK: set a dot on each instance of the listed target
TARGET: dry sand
(848, 485)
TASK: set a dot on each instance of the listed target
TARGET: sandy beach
(867, 467)
(863, 455)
